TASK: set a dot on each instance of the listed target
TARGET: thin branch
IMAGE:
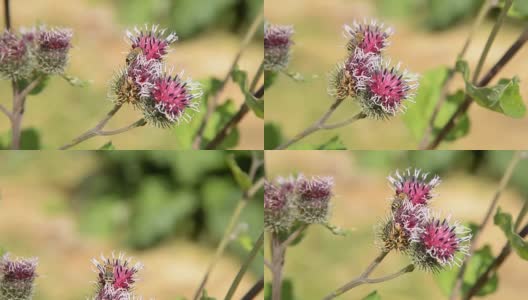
(255, 290)
(321, 125)
(267, 264)
(364, 277)
(6, 112)
(7, 15)
(483, 12)
(19, 104)
(277, 264)
(510, 53)
(245, 266)
(517, 156)
(497, 262)
(293, 236)
(97, 130)
(211, 106)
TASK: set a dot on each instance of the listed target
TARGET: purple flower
(313, 199)
(52, 47)
(278, 210)
(277, 44)
(414, 186)
(17, 277)
(170, 100)
(116, 272)
(15, 58)
(443, 241)
(152, 41)
(369, 37)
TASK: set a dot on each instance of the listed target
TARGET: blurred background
(166, 209)
(324, 262)
(429, 33)
(210, 34)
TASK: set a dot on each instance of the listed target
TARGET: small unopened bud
(52, 47)
(277, 44)
(313, 199)
(17, 278)
(15, 58)
(278, 208)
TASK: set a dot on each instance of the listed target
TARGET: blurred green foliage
(143, 198)
(189, 17)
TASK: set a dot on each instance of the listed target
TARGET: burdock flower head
(153, 42)
(278, 205)
(414, 186)
(17, 278)
(116, 277)
(170, 99)
(441, 244)
(277, 44)
(52, 47)
(387, 91)
(15, 57)
(370, 37)
(313, 199)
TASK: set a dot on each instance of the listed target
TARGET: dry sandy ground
(319, 46)
(324, 262)
(62, 112)
(35, 221)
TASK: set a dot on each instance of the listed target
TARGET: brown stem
(255, 290)
(497, 262)
(510, 53)
(7, 15)
(517, 156)
(19, 104)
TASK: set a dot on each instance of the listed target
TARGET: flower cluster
(380, 90)
(116, 277)
(431, 242)
(17, 278)
(296, 199)
(34, 52)
(146, 83)
(277, 44)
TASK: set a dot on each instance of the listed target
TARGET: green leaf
(450, 106)
(286, 291)
(441, 14)
(519, 9)
(23, 83)
(478, 263)
(333, 144)
(205, 296)
(372, 296)
(336, 230)
(30, 139)
(272, 136)
(240, 176)
(217, 121)
(269, 78)
(107, 146)
(75, 81)
(256, 105)
(504, 97)
(504, 221)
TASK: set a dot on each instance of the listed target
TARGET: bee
(108, 273)
(131, 57)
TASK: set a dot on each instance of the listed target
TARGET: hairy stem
(321, 125)
(517, 156)
(364, 277)
(245, 266)
(497, 262)
(483, 12)
(211, 105)
(505, 59)
(277, 263)
(255, 290)
(294, 236)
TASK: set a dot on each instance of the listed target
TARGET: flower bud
(15, 58)
(17, 278)
(52, 47)
(313, 199)
(277, 44)
(278, 209)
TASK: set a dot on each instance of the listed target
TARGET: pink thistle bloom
(52, 47)
(116, 272)
(387, 90)
(313, 199)
(152, 41)
(171, 98)
(411, 218)
(443, 241)
(414, 186)
(369, 37)
(17, 277)
(278, 213)
(110, 293)
(14, 56)
(360, 67)
(277, 44)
